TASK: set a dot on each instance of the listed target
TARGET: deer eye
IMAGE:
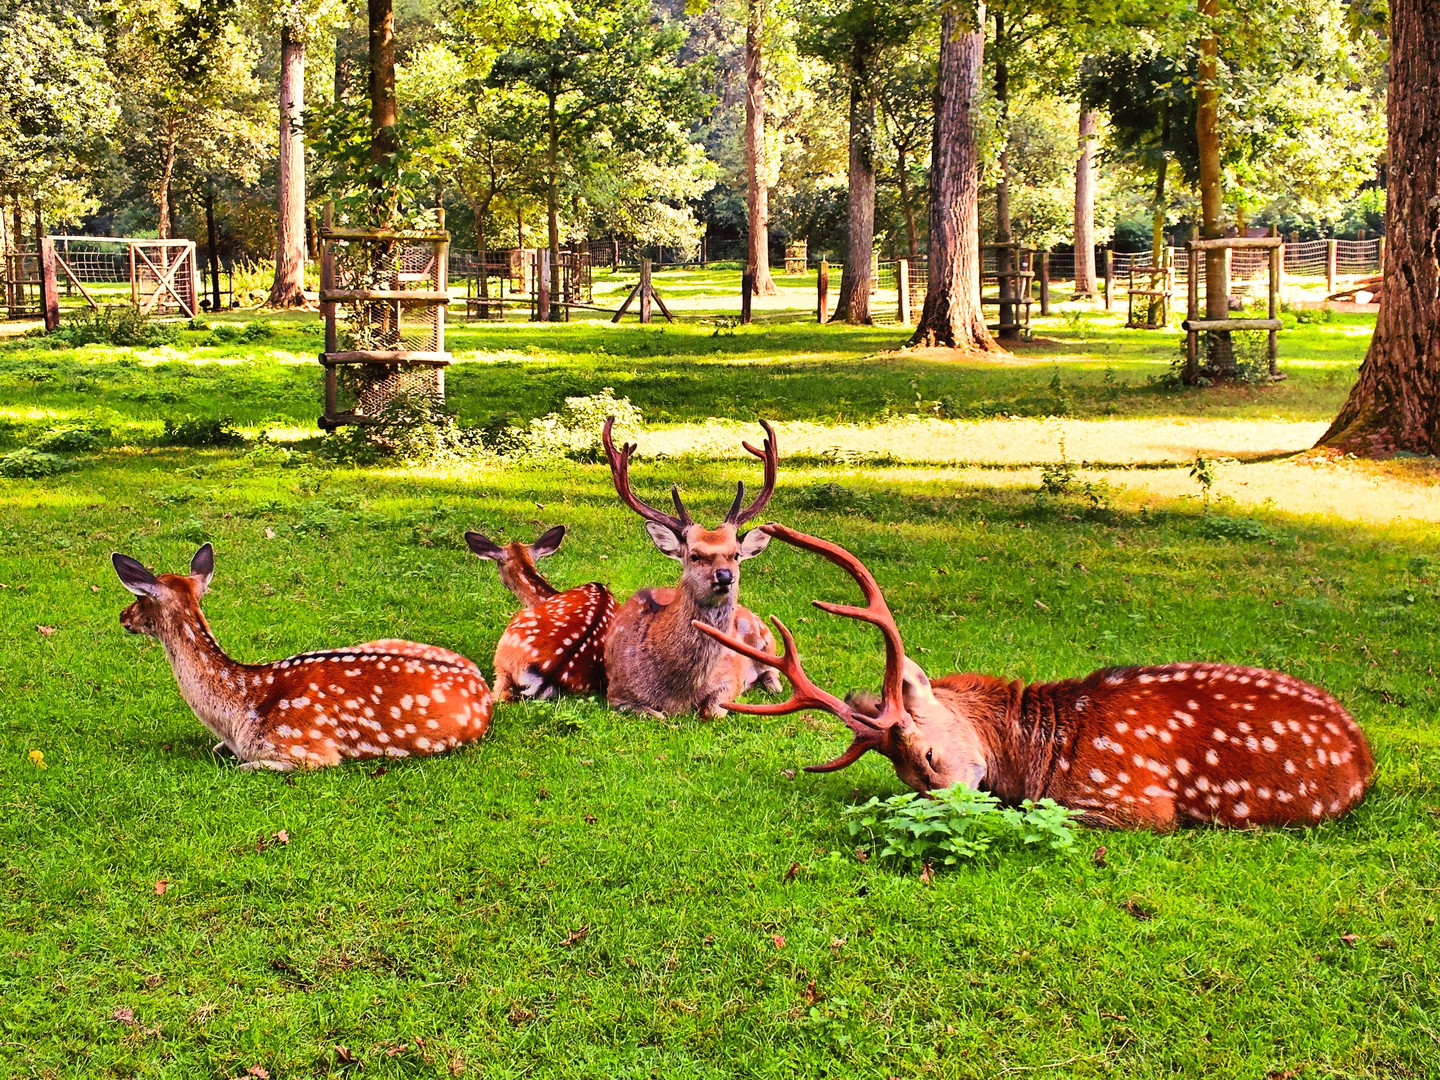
(930, 758)
(694, 558)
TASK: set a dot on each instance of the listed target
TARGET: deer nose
(724, 577)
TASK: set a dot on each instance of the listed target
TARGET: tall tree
(1085, 206)
(1395, 404)
(952, 315)
(907, 101)
(757, 180)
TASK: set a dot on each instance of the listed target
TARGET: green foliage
(412, 427)
(958, 824)
(831, 497)
(30, 464)
(1220, 527)
(572, 433)
(1203, 471)
(113, 324)
(70, 440)
(201, 432)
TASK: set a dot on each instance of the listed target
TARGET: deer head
(930, 746)
(161, 602)
(517, 562)
(710, 558)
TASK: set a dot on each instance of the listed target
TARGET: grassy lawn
(590, 894)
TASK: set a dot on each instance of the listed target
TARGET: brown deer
(556, 643)
(384, 698)
(1146, 747)
(655, 660)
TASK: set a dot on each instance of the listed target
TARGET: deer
(656, 663)
(380, 699)
(555, 644)
(1128, 747)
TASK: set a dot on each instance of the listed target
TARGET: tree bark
(757, 257)
(1395, 404)
(852, 304)
(952, 315)
(907, 203)
(1085, 207)
(167, 173)
(383, 113)
(288, 289)
(1207, 137)
(212, 247)
(552, 204)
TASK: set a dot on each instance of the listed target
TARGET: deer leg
(770, 680)
(277, 766)
(505, 687)
(637, 708)
(222, 749)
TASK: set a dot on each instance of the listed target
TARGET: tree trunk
(1395, 404)
(1005, 261)
(757, 256)
(212, 247)
(852, 304)
(552, 205)
(383, 114)
(288, 289)
(167, 173)
(907, 203)
(1207, 137)
(952, 314)
(1085, 207)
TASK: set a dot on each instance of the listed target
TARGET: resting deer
(381, 699)
(655, 660)
(1142, 746)
(556, 643)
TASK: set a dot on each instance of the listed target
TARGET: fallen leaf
(1282, 1074)
(779, 940)
(862, 855)
(161, 886)
(45, 631)
(269, 534)
(344, 1056)
(123, 1016)
(810, 995)
(927, 874)
(399, 1048)
(1139, 910)
(576, 936)
(788, 774)
(378, 771)
(37, 758)
(838, 943)
(542, 794)
(1042, 605)
(1099, 857)
(591, 819)
(259, 1072)
(520, 1015)
(1350, 939)
(282, 837)
(457, 1064)
(790, 873)
(94, 588)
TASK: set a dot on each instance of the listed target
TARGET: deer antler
(869, 732)
(770, 455)
(620, 473)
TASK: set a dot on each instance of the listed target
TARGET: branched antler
(620, 473)
(770, 455)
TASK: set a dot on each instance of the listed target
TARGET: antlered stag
(381, 699)
(1140, 746)
(556, 643)
(655, 660)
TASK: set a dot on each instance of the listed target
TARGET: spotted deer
(381, 699)
(555, 644)
(656, 662)
(1148, 747)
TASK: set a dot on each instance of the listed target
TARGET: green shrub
(201, 431)
(72, 440)
(257, 331)
(226, 333)
(412, 427)
(834, 498)
(1217, 527)
(957, 824)
(114, 324)
(27, 463)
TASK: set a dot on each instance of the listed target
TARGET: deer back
(557, 646)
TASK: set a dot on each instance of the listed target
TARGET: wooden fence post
(1380, 254)
(902, 280)
(1044, 283)
(1109, 279)
(615, 256)
(647, 291)
(1277, 268)
(1331, 261)
(747, 286)
(49, 287)
(542, 285)
(1192, 310)
(822, 291)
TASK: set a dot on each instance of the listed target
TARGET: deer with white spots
(382, 699)
(555, 644)
(1148, 747)
(655, 661)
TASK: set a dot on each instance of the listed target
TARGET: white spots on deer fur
(1115, 679)
(1212, 758)
(1241, 809)
(1155, 791)
(1166, 737)
(1219, 735)
(422, 743)
(1269, 744)
(1212, 801)
(422, 700)
(1252, 744)
(297, 751)
(1121, 727)
(1230, 787)
(1145, 679)
(1182, 766)
(1082, 703)
(1132, 712)
(1098, 776)
(1102, 742)
(1307, 740)
(433, 725)
(1290, 767)
(1317, 808)
(1064, 764)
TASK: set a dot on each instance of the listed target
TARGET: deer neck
(212, 684)
(682, 615)
(528, 584)
(993, 709)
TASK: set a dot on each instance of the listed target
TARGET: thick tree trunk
(288, 290)
(383, 112)
(852, 304)
(1207, 138)
(212, 247)
(757, 256)
(1395, 404)
(1085, 207)
(167, 173)
(952, 314)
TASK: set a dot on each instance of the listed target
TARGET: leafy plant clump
(30, 464)
(958, 824)
(114, 324)
(1219, 527)
(70, 440)
(572, 433)
(412, 427)
(202, 431)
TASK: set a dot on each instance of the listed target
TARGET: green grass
(428, 917)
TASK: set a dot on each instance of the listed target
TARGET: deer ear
(666, 540)
(549, 542)
(752, 543)
(485, 547)
(135, 577)
(202, 566)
